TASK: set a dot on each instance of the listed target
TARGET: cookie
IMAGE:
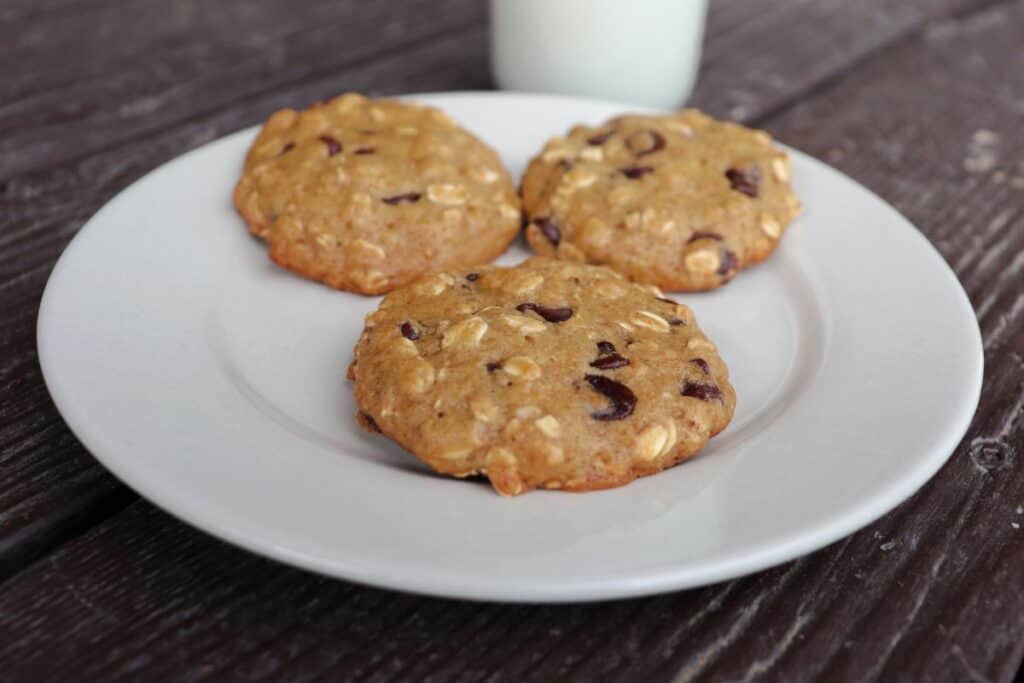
(550, 374)
(368, 195)
(680, 201)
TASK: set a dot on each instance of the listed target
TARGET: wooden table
(921, 100)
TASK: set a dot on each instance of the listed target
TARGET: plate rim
(636, 584)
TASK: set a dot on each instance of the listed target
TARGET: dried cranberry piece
(493, 367)
(645, 142)
(409, 331)
(702, 364)
(608, 359)
(744, 180)
(622, 398)
(636, 172)
(728, 264)
(473, 277)
(698, 235)
(289, 146)
(705, 391)
(407, 198)
(370, 422)
(610, 362)
(548, 229)
(366, 150)
(333, 146)
(552, 315)
(600, 138)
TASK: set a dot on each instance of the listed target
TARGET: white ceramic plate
(214, 384)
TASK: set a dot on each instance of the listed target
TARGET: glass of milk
(642, 52)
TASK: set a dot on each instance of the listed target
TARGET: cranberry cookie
(549, 374)
(368, 195)
(680, 201)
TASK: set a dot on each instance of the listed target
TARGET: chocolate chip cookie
(680, 201)
(550, 374)
(368, 195)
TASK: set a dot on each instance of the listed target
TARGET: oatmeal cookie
(680, 201)
(368, 195)
(549, 374)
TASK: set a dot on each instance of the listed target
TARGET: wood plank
(212, 69)
(51, 488)
(930, 592)
(54, 480)
(109, 102)
(22, 10)
(109, 38)
(766, 56)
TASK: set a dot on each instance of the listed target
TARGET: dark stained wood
(926, 112)
(760, 56)
(50, 486)
(40, 211)
(221, 63)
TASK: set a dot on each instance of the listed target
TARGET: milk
(643, 52)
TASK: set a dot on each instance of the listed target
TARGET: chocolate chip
(565, 165)
(702, 364)
(473, 277)
(549, 229)
(728, 265)
(370, 422)
(623, 400)
(493, 367)
(698, 235)
(600, 138)
(552, 315)
(366, 150)
(407, 198)
(635, 172)
(333, 146)
(745, 180)
(645, 142)
(676, 322)
(705, 391)
(608, 359)
(609, 362)
(287, 148)
(409, 331)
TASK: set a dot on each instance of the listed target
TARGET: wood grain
(201, 72)
(50, 486)
(927, 117)
(49, 480)
(759, 57)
